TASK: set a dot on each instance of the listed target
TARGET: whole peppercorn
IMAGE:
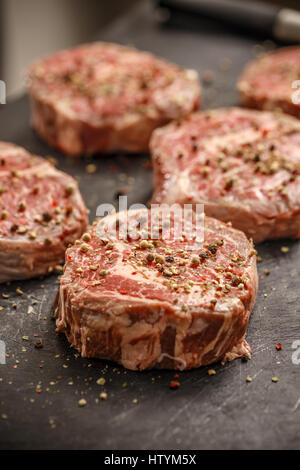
(86, 237)
(22, 206)
(195, 261)
(213, 249)
(160, 259)
(150, 257)
(174, 384)
(144, 244)
(84, 247)
(70, 189)
(47, 217)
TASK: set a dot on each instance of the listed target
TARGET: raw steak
(266, 83)
(244, 165)
(41, 213)
(158, 302)
(103, 97)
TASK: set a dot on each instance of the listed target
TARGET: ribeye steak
(155, 302)
(244, 165)
(266, 83)
(41, 213)
(103, 97)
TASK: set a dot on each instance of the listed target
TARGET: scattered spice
(91, 168)
(144, 244)
(70, 189)
(82, 402)
(39, 344)
(101, 381)
(22, 206)
(84, 248)
(94, 267)
(229, 184)
(47, 217)
(174, 384)
(150, 257)
(32, 235)
(22, 229)
(58, 268)
(160, 259)
(86, 237)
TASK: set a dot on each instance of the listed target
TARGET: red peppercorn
(265, 132)
(174, 384)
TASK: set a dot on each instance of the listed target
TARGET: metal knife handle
(254, 16)
(287, 25)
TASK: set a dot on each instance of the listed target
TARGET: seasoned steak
(41, 213)
(173, 303)
(244, 165)
(103, 97)
(266, 83)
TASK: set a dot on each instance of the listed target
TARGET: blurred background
(30, 29)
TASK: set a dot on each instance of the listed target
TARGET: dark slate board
(206, 412)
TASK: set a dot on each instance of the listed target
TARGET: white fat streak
(174, 358)
(61, 305)
(13, 150)
(213, 144)
(211, 345)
